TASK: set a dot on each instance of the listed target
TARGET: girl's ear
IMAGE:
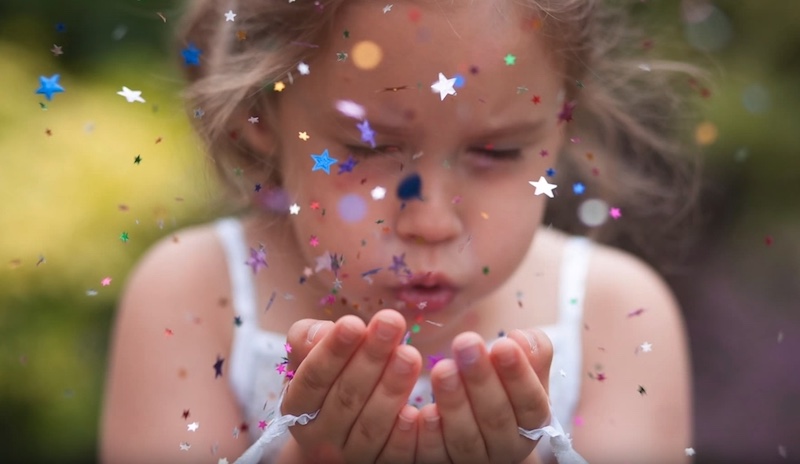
(257, 133)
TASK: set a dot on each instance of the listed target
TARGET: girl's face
(437, 252)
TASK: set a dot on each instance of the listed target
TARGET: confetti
(49, 85)
(323, 162)
(191, 55)
(131, 96)
(543, 187)
(410, 187)
(218, 367)
(444, 86)
(366, 55)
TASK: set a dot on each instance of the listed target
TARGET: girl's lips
(426, 299)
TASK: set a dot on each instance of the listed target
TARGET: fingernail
(348, 334)
(467, 355)
(404, 423)
(432, 423)
(401, 364)
(449, 379)
(506, 357)
(386, 330)
(531, 339)
(312, 332)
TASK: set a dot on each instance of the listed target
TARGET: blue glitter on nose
(410, 188)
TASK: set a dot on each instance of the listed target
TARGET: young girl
(398, 160)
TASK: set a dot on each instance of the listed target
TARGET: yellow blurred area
(68, 196)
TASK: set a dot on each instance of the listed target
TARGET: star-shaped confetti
(257, 259)
(615, 213)
(230, 16)
(387, 8)
(131, 95)
(303, 69)
(367, 134)
(294, 209)
(218, 367)
(193, 426)
(348, 165)
(398, 263)
(191, 55)
(510, 60)
(137, 160)
(565, 114)
(106, 282)
(279, 86)
(123, 236)
(378, 193)
(323, 162)
(56, 50)
(303, 136)
(578, 188)
(49, 85)
(185, 446)
(646, 347)
(253, 119)
(444, 86)
(543, 187)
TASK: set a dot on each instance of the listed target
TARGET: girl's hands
(482, 398)
(360, 379)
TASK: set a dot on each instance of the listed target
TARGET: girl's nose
(433, 219)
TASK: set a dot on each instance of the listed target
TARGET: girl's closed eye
(508, 154)
(363, 150)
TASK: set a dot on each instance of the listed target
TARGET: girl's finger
(403, 439)
(386, 401)
(354, 386)
(538, 351)
(491, 408)
(462, 436)
(316, 375)
(527, 396)
(303, 336)
(430, 442)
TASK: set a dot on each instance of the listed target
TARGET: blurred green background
(69, 189)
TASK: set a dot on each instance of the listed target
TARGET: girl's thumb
(538, 351)
(304, 335)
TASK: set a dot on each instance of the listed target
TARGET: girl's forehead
(393, 57)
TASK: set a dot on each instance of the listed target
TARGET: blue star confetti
(323, 162)
(550, 172)
(191, 55)
(49, 86)
(578, 188)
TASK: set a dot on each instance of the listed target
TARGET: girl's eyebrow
(520, 128)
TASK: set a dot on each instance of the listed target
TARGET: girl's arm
(635, 401)
(166, 341)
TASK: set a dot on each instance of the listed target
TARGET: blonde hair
(630, 112)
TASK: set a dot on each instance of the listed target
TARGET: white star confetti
(252, 120)
(185, 446)
(689, 451)
(543, 187)
(351, 109)
(646, 347)
(444, 86)
(387, 8)
(378, 193)
(131, 95)
(230, 16)
(193, 426)
(294, 209)
(303, 69)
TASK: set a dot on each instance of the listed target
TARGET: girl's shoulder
(186, 268)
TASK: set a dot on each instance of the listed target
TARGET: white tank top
(256, 352)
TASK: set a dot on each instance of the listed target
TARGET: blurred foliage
(67, 197)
